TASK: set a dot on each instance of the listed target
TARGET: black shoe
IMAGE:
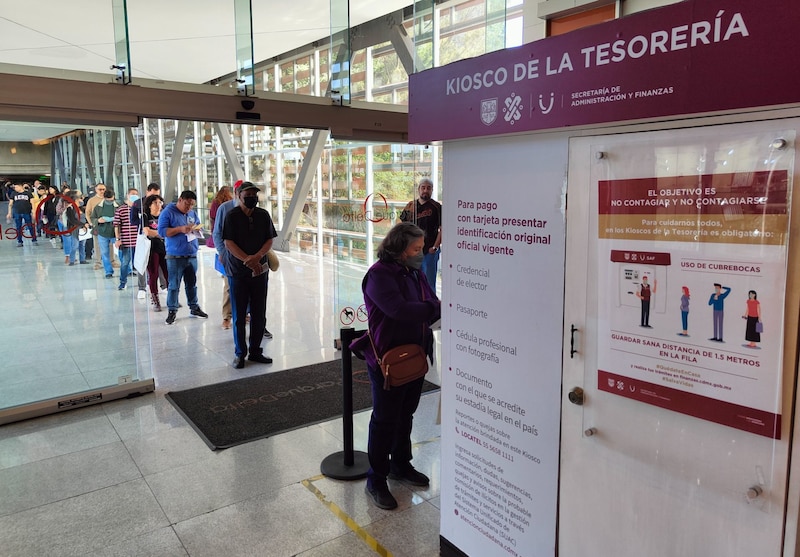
(171, 317)
(238, 362)
(109, 275)
(411, 477)
(381, 496)
(197, 312)
(267, 334)
(260, 358)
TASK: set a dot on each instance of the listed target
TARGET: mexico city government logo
(512, 109)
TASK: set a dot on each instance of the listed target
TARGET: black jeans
(389, 445)
(248, 292)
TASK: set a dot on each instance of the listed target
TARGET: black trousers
(389, 445)
(248, 292)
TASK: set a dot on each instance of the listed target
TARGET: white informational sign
(692, 283)
(503, 254)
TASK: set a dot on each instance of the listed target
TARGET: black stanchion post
(347, 464)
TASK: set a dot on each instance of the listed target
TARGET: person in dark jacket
(401, 305)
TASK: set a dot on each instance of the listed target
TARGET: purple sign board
(693, 57)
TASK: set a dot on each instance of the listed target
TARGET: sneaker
(381, 496)
(411, 477)
(19, 245)
(121, 287)
(35, 243)
(171, 317)
(84, 262)
(197, 312)
(267, 334)
(141, 295)
(109, 275)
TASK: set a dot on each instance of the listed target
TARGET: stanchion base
(334, 467)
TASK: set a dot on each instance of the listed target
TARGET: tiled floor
(132, 478)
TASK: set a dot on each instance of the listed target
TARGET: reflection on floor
(131, 477)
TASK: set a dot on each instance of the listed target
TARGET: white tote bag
(142, 254)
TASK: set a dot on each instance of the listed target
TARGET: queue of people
(399, 289)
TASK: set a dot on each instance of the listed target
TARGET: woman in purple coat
(401, 305)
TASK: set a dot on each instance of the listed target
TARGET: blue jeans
(66, 239)
(74, 245)
(430, 266)
(125, 255)
(248, 292)
(181, 268)
(21, 220)
(105, 252)
(67, 242)
(685, 320)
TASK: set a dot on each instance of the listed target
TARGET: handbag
(759, 327)
(141, 255)
(401, 364)
(272, 261)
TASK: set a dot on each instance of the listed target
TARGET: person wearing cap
(177, 224)
(248, 233)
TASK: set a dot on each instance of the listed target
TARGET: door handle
(572, 330)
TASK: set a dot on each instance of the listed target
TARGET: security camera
(248, 105)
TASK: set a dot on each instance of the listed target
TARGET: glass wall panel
(76, 336)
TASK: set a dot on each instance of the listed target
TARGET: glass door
(71, 336)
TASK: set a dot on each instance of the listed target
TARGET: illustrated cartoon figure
(644, 294)
(717, 301)
(752, 331)
(685, 311)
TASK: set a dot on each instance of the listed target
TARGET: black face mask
(415, 261)
(250, 202)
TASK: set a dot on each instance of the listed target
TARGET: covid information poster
(504, 234)
(691, 285)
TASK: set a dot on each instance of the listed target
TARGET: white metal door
(658, 460)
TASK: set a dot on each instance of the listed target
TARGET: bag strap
(380, 362)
